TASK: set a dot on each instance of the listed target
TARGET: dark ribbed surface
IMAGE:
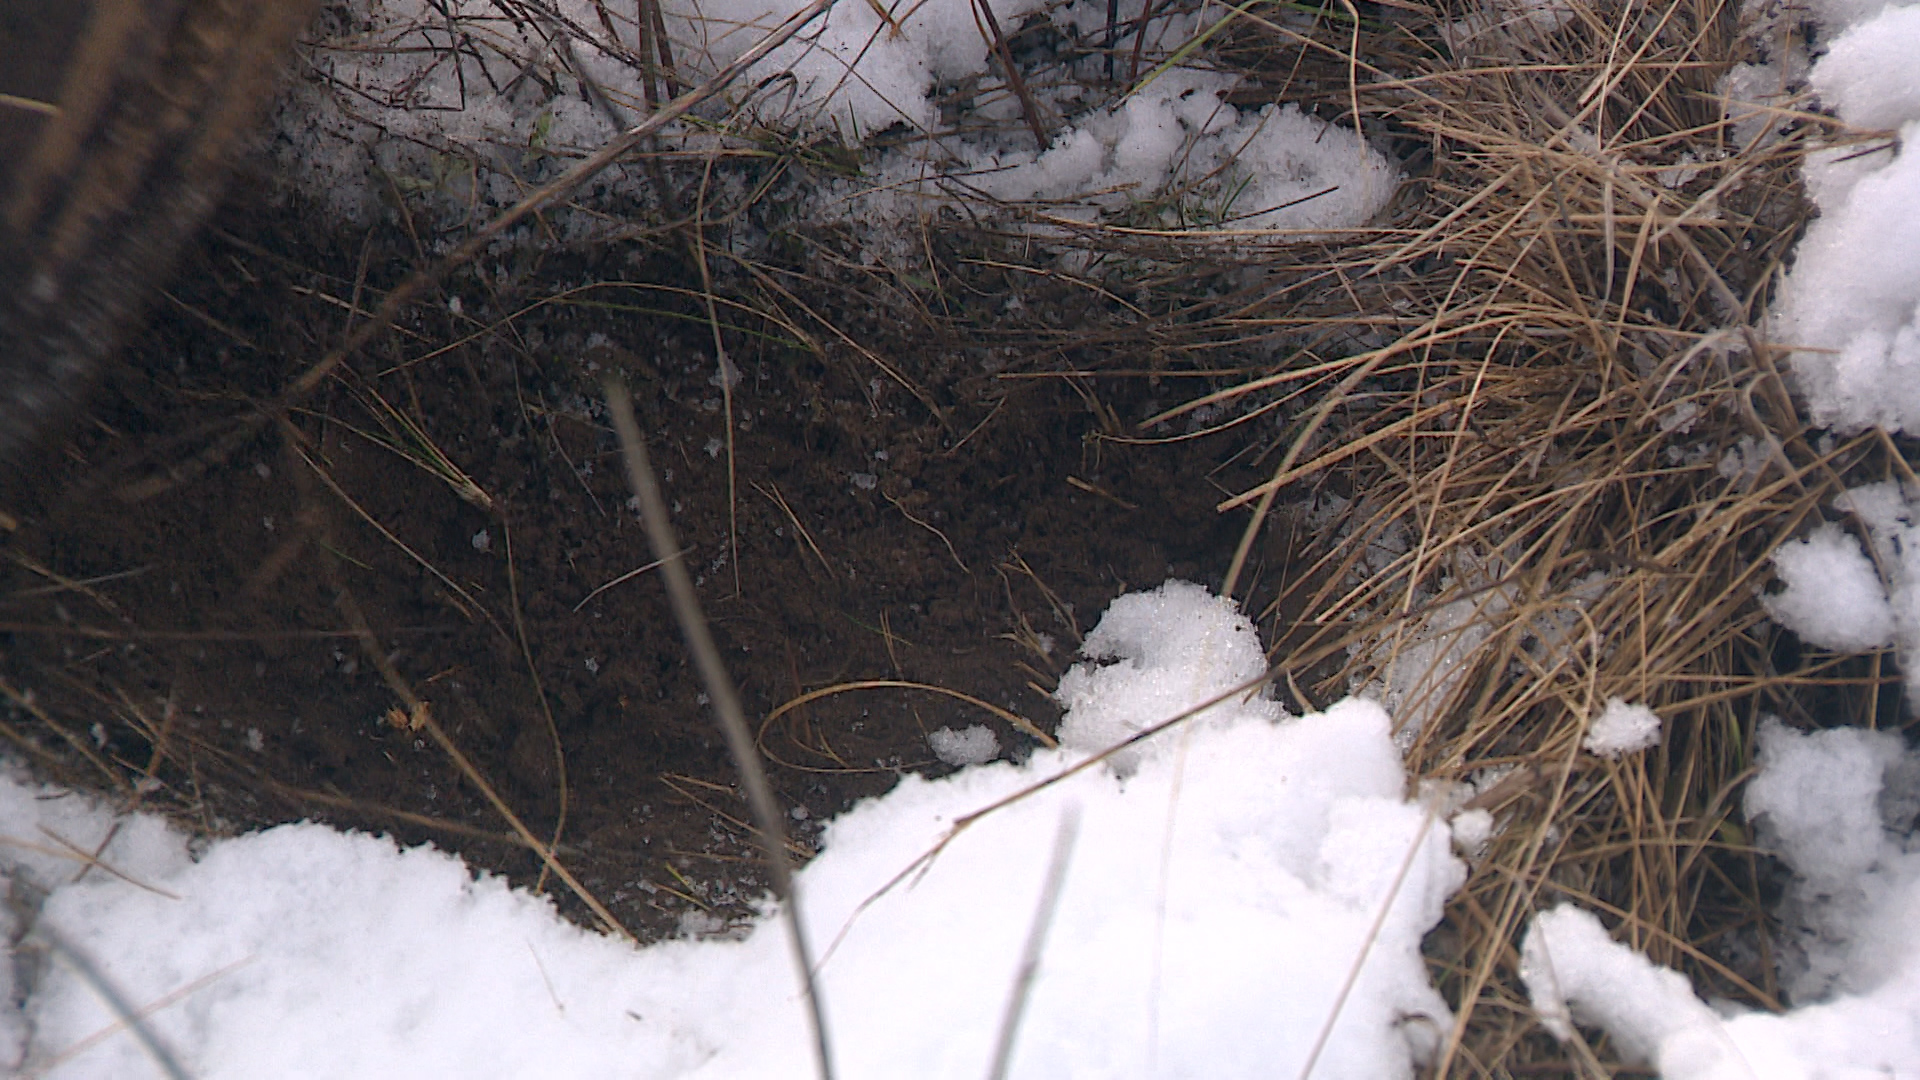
(98, 197)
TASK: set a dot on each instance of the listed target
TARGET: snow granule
(974, 745)
(1622, 728)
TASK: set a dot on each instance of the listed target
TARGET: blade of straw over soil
(1544, 456)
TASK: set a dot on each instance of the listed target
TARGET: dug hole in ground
(1259, 890)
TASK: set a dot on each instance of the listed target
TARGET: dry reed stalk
(1565, 455)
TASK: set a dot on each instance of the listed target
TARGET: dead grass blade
(770, 827)
(1019, 723)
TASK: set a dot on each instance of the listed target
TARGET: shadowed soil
(177, 606)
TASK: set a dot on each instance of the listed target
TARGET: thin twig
(130, 1018)
(1036, 944)
(771, 830)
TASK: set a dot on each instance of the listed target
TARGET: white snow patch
(973, 745)
(1839, 805)
(1575, 972)
(389, 105)
(1622, 728)
(1473, 832)
(1833, 596)
(1276, 169)
(1851, 303)
(1215, 905)
(1173, 649)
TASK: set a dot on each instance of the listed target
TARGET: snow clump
(973, 745)
(1838, 807)
(1834, 597)
(1277, 169)
(1621, 729)
(1173, 648)
(1851, 302)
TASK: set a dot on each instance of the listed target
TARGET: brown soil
(176, 615)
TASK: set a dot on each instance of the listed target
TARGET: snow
(1851, 302)
(1241, 889)
(1173, 146)
(1622, 729)
(1838, 807)
(1252, 884)
(972, 745)
(1570, 965)
(1426, 663)
(1851, 306)
(852, 72)
(1833, 596)
(1275, 169)
(1175, 647)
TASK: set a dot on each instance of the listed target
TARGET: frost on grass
(1838, 807)
(1216, 902)
(1429, 661)
(1622, 728)
(1487, 26)
(1851, 302)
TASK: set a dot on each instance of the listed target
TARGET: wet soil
(181, 595)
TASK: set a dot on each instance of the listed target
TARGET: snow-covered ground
(1243, 895)
(392, 67)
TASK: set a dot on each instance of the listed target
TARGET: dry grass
(1539, 448)
(1541, 427)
